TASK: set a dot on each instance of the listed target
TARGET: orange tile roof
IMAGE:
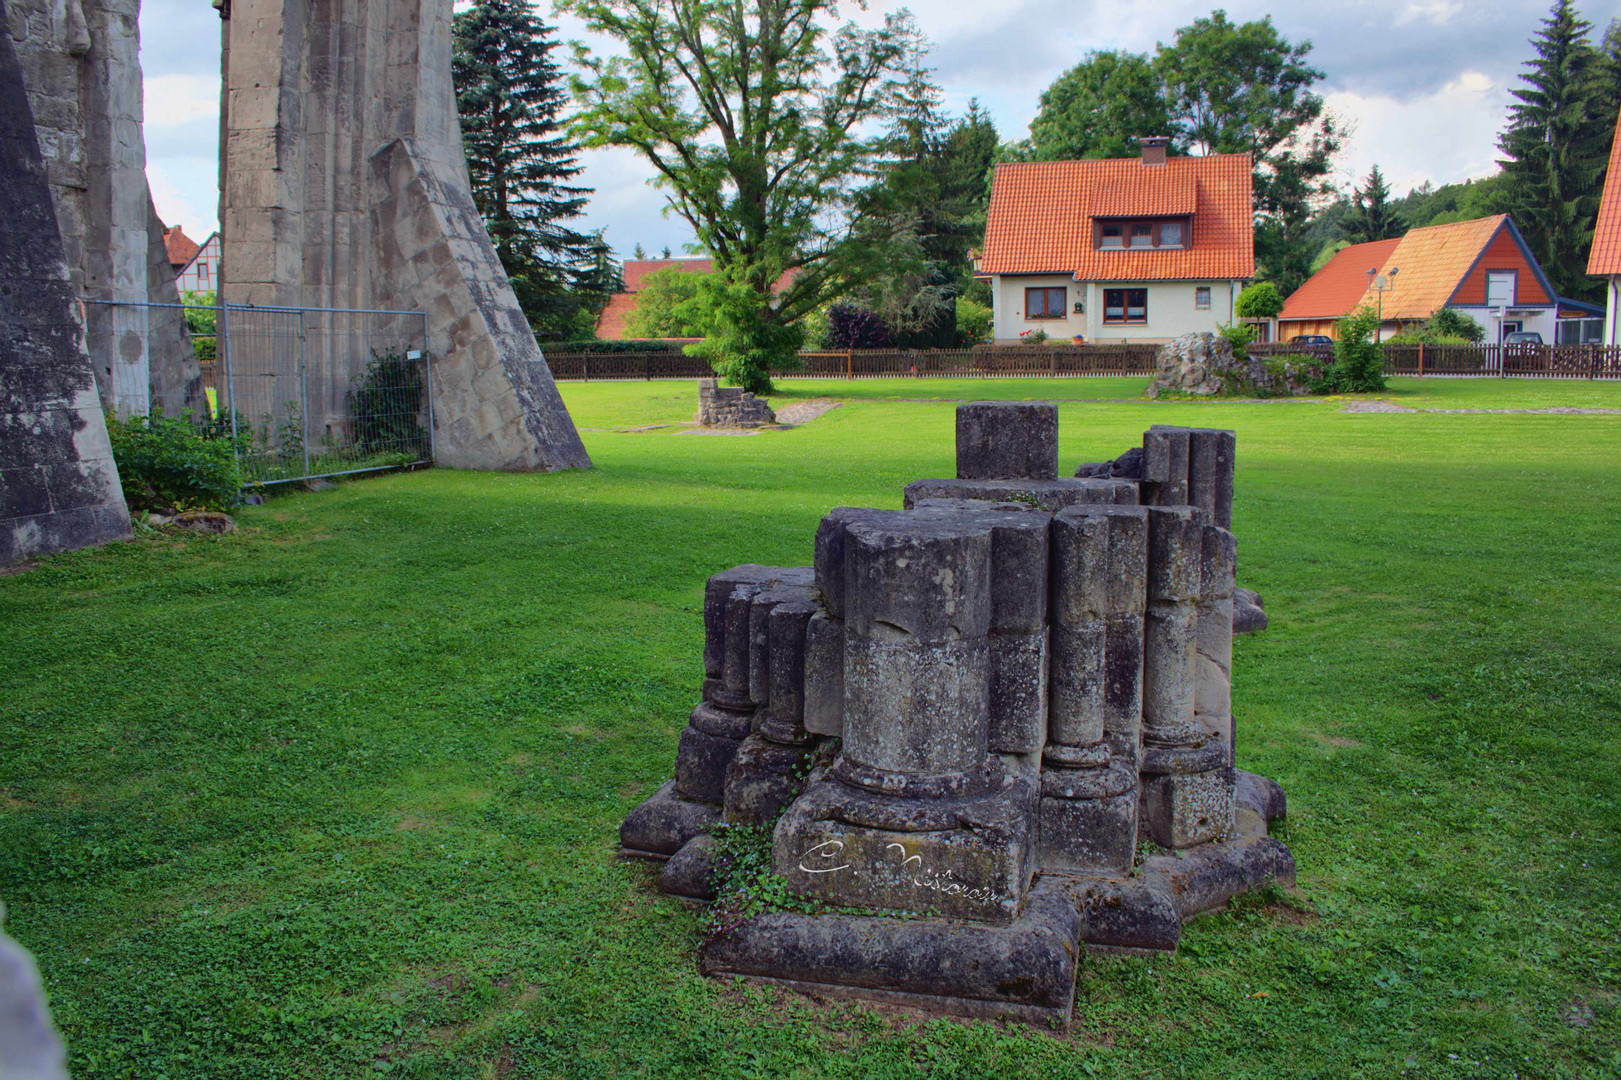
(1605, 256)
(1432, 263)
(181, 248)
(636, 270)
(1040, 218)
(611, 323)
(1338, 287)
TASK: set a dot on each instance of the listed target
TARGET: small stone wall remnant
(731, 407)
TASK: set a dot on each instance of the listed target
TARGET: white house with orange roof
(1118, 250)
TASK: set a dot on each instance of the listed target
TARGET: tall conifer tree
(1555, 148)
(510, 94)
(1371, 217)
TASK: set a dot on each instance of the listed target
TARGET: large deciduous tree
(1556, 146)
(1370, 215)
(510, 95)
(1244, 88)
(1100, 108)
(756, 117)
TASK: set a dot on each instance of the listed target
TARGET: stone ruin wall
(79, 61)
(731, 407)
(345, 186)
(974, 710)
(58, 485)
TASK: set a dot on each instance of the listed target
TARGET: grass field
(338, 795)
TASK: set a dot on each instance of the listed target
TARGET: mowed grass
(338, 795)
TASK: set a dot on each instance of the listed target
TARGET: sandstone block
(1018, 692)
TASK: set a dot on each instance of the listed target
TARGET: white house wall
(1171, 309)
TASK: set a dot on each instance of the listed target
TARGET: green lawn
(339, 794)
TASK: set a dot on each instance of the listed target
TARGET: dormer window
(1141, 234)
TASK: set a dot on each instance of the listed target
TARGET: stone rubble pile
(965, 720)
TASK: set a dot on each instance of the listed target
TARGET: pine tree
(1371, 217)
(510, 95)
(1555, 149)
(640, 252)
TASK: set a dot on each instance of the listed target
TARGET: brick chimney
(1153, 147)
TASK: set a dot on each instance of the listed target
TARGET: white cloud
(179, 99)
(181, 204)
(1435, 12)
(1440, 137)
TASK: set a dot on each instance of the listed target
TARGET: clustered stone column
(993, 695)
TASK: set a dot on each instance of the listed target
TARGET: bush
(1239, 336)
(851, 327)
(665, 308)
(1259, 301)
(1359, 364)
(384, 403)
(744, 344)
(973, 323)
(815, 327)
(167, 462)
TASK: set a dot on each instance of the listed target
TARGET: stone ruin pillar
(994, 696)
(1089, 788)
(80, 64)
(344, 185)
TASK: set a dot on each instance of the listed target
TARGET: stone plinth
(731, 407)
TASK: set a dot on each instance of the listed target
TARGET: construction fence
(304, 392)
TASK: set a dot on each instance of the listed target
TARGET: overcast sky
(1421, 85)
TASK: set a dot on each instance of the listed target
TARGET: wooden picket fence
(1075, 361)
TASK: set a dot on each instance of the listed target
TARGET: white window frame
(1201, 298)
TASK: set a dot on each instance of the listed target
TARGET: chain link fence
(307, 392)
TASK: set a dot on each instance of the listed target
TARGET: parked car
(1523, 337)
(1311, 339)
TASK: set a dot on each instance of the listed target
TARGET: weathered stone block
(918, 577)
(762, 779)
(914, 707)
(1005, 440)
(30, 1048)
(824, 675)
(789, 621)
(664, 823)
(1087, 819)
(829, 556)
(1023, 971)
(1048, 495)
(690, 872)
(1181, 809)
(700, 764)
(1018, 692)
(979, 873)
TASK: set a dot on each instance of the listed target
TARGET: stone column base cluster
(986, 729)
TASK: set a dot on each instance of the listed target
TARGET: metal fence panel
(308, 392)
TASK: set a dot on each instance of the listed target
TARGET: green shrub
(1445, 327)
(1359, 364)
(744, 344)
(384, 404)
(1259, 301)
(167, 462)
(1239, 336)
(973, 322)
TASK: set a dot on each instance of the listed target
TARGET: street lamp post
(1380, 284)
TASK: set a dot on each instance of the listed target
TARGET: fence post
(849, 364)
(1421, 359)
(427, 383)
(304, 396)
(222, 344)
(647, 366)
(585, 363)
